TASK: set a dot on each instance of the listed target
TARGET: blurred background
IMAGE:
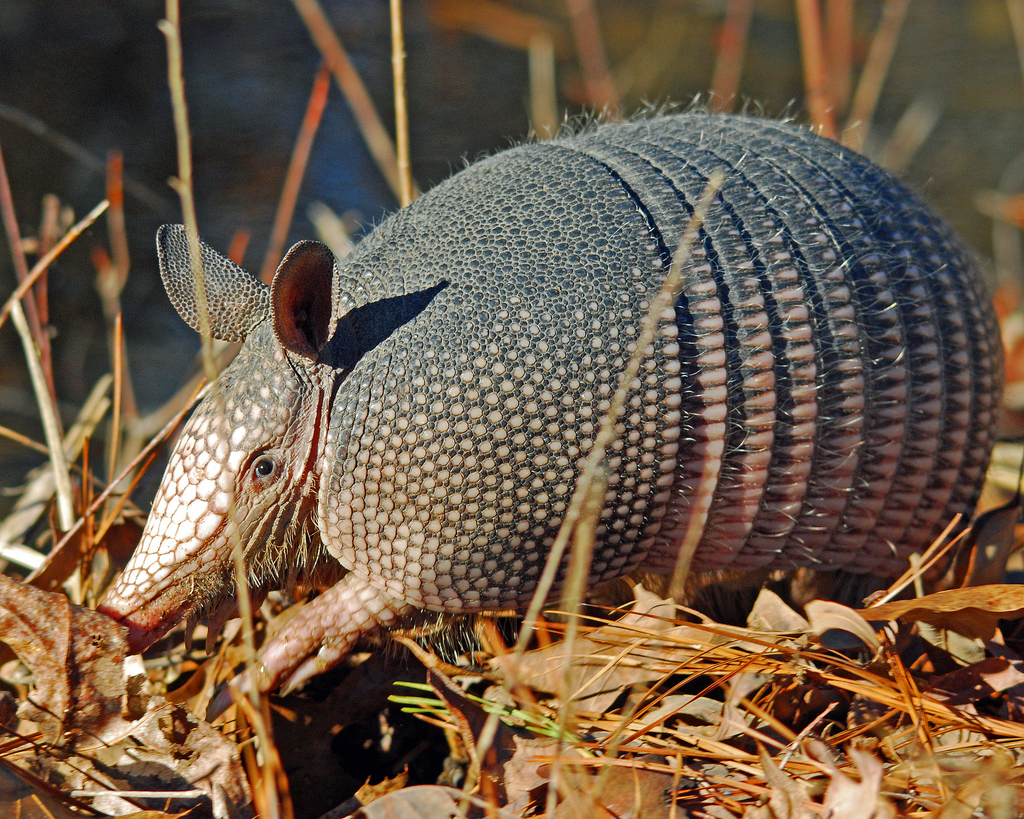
(931, 88)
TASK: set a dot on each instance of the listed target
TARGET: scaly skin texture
(823, 393)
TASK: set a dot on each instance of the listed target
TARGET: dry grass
(644, 710)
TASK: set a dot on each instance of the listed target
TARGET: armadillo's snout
(179, 546)
(158, 587)
(143, 628)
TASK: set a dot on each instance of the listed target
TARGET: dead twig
(406, 191)
(148, 452)
(586, 31)
(296, 172)
(34, 125)
(872, 77)
(40, 267)
(171, 29)
(816, 77)
(543, 89)
(732, 44)
(839, 48)
(37, 357)
(374, 133)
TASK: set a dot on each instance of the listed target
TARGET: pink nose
(140, 637)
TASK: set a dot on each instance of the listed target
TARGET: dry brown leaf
(525, 771)
(120, 540)
(771, 614)
(978, 681)
(170, 749)
(427, 802)
(825, 616)
(788, 798)
(993, 792)
(849, 799)
(990, 543)
(637, 793)
(76, 658)
(367, 793)
(974, 612)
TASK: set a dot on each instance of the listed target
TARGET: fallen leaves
(974, 612)
(76, 658)
(778, 720)
(118, 750)
(826, 616)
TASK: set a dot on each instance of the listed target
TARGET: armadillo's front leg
(320, 635)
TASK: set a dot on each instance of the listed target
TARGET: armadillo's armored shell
(824, 393)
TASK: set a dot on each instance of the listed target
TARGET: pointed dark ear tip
(302, 298)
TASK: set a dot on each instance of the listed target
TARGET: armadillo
(822, 394)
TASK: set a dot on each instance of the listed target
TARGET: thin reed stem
(374, 133)
(171, 29)
(406, 190)
(586, 31)
(296, 173)
(732, 46)
(40, 267)
(872, 77)
(816, 78)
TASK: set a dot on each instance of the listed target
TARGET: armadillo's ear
(236, 300)
(301, 295)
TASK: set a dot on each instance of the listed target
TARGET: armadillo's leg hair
(321, 634)
(326, 629)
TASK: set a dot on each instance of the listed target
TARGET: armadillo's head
(244, 468)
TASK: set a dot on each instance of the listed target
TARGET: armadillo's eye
(264, 468)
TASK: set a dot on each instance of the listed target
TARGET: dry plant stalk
(40, 267)
(86, 158)
(816, 75)
(1015, 9)
(145, 457)
(406, 191)
(376, 136)
(732, 44)
(872, 76)
(121, 262)
(277, 800)
(170, 27)
(543, 89)
(37, 357)
(183, 185)
(839, 48)
(296, 172)
(31, 314)
(580, 517)
(586, 30)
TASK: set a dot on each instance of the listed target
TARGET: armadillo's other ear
(301, 295)
(236, 300)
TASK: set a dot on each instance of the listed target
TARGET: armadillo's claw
(225, 696)
(326, 658)
(318, 638)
